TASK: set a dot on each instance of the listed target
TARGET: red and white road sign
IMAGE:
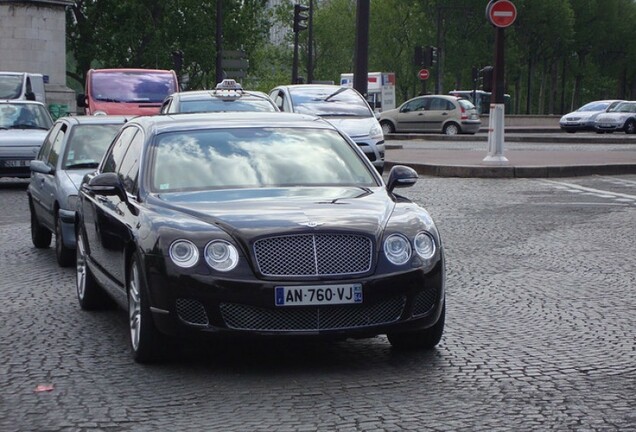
(423, 74)
(501, 13)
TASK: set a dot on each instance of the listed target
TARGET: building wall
(33, 39)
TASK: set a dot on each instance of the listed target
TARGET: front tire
(387, 127)
(40, 236)
(630, 127)
(420, 339)
(65, 256)
(89, 294)
(145, 339)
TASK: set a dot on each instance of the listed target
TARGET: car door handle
(101, 198)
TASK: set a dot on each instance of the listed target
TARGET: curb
(474, 171)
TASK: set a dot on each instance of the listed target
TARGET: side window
(43, 154)
(56, 149)
(129, 168)
(117, 150)
(278, 99)
(165, 106)
(449, 105)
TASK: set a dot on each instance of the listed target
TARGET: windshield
(126, 86)
(10, 86)
(217, 104)
(24, 116)
(330, 101)
(594, 106)
(622, 107)
(255, 158)
(87, 144)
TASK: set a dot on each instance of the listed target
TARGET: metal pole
(361, 54)
(496, 118)
(310, 44)
(294, 79)
(219, 41)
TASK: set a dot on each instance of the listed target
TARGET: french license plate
(16, 163)
(311, 295)
(606, 125)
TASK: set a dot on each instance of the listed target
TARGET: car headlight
(221, 255)
(397, 249)
(376, 132)
(424, 245)
(184, 253)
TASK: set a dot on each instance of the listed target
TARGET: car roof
(224, 120)
(95, 120)
(21, 102)
(190, 95)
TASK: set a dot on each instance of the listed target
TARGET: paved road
(540, 334)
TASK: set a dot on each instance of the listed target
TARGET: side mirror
(405, 109)
(41, 167)
(107, 184)
(401, 176)
(81, 100)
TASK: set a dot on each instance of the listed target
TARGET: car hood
(613, 116)
(251, 213)
(74, 177)
(22, 137)
(353, 126)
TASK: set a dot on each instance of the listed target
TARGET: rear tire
(420, 339)
(65, 256)
(40, 236)
(451, 129)
(630, 127)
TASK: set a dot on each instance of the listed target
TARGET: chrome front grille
(313, 255)
(294, 318)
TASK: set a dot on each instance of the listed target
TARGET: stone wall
(33, 39)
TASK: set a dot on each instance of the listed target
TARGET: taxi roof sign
(228, 84)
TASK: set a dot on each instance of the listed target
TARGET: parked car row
(604, 116)
(238, 222)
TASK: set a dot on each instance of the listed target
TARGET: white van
(22, 86)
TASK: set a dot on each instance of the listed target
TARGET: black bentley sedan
(259, 224)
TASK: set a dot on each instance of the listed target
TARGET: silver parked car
(584, 118)
(23, 127)
(73, 148)
(449, 115)
(621, 117)
(226, 97)
(343, 107)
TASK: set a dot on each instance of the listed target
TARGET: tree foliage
(559, 53)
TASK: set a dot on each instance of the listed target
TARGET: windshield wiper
(108, 100)
(82, 165)
(336, 93)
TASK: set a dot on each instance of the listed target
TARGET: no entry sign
(501, 13)
(423, 74)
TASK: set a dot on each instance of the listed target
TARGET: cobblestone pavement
(540, 334)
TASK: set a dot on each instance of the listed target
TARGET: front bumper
(15, 166)
(198, 305)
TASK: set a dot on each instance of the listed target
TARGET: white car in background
(23, 127)
(621, 117)
(343, 107)
(584, 118)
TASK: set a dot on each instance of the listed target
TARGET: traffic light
(433, 54)
(486, 78)
(300, 18)
(418, 57)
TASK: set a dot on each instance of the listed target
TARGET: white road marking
(597, 192)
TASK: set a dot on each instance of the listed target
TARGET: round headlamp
(397, 249)
(424, 245)
(221, 255)
(184, 253)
